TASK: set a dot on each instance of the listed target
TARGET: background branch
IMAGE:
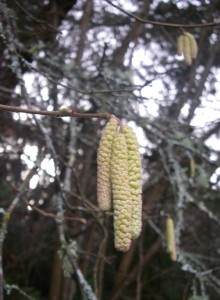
(163, 24)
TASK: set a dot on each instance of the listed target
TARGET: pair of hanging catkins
(119, 177)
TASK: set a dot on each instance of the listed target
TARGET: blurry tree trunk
(56, 278)
(68, 289)
(133, 273)
(123, 269)
(84, 25)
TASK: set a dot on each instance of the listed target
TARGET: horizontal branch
(163, 24)
(63, 112)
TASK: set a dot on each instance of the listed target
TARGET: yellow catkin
(170, 235)
(121, 194)
(104, 165)
(180, 44)
(192, 167)
(135, 182)
(187, 50)
(193, 45)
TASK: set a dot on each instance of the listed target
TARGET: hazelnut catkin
(170, 235)
(135, 182)
(192, 167)
(187, 45)
(122, 202)
(104, 164)
(193, 45)
(187, 50)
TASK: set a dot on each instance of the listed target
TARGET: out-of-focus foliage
(89, 56)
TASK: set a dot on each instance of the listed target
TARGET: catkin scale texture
(135, 182)
(122, 202)
(104, 165)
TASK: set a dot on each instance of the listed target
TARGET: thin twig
(163, 24)
(56, 113)
(50, 78)
(36, 19)
(51, 215)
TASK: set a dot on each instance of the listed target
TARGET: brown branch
(123, 269)
(51, 215)
(133, 274)
(57, 113)
(164, 24)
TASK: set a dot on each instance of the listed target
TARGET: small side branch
(64, 112)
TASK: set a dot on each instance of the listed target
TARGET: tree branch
(163, 24)
(58, 113)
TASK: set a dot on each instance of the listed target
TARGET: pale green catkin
(121, 194)
(192, 167)
(135, 181)
(104, 165)
(170, 235)
(187, 50)
(193, 45)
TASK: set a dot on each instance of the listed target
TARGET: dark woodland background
(89, 56)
